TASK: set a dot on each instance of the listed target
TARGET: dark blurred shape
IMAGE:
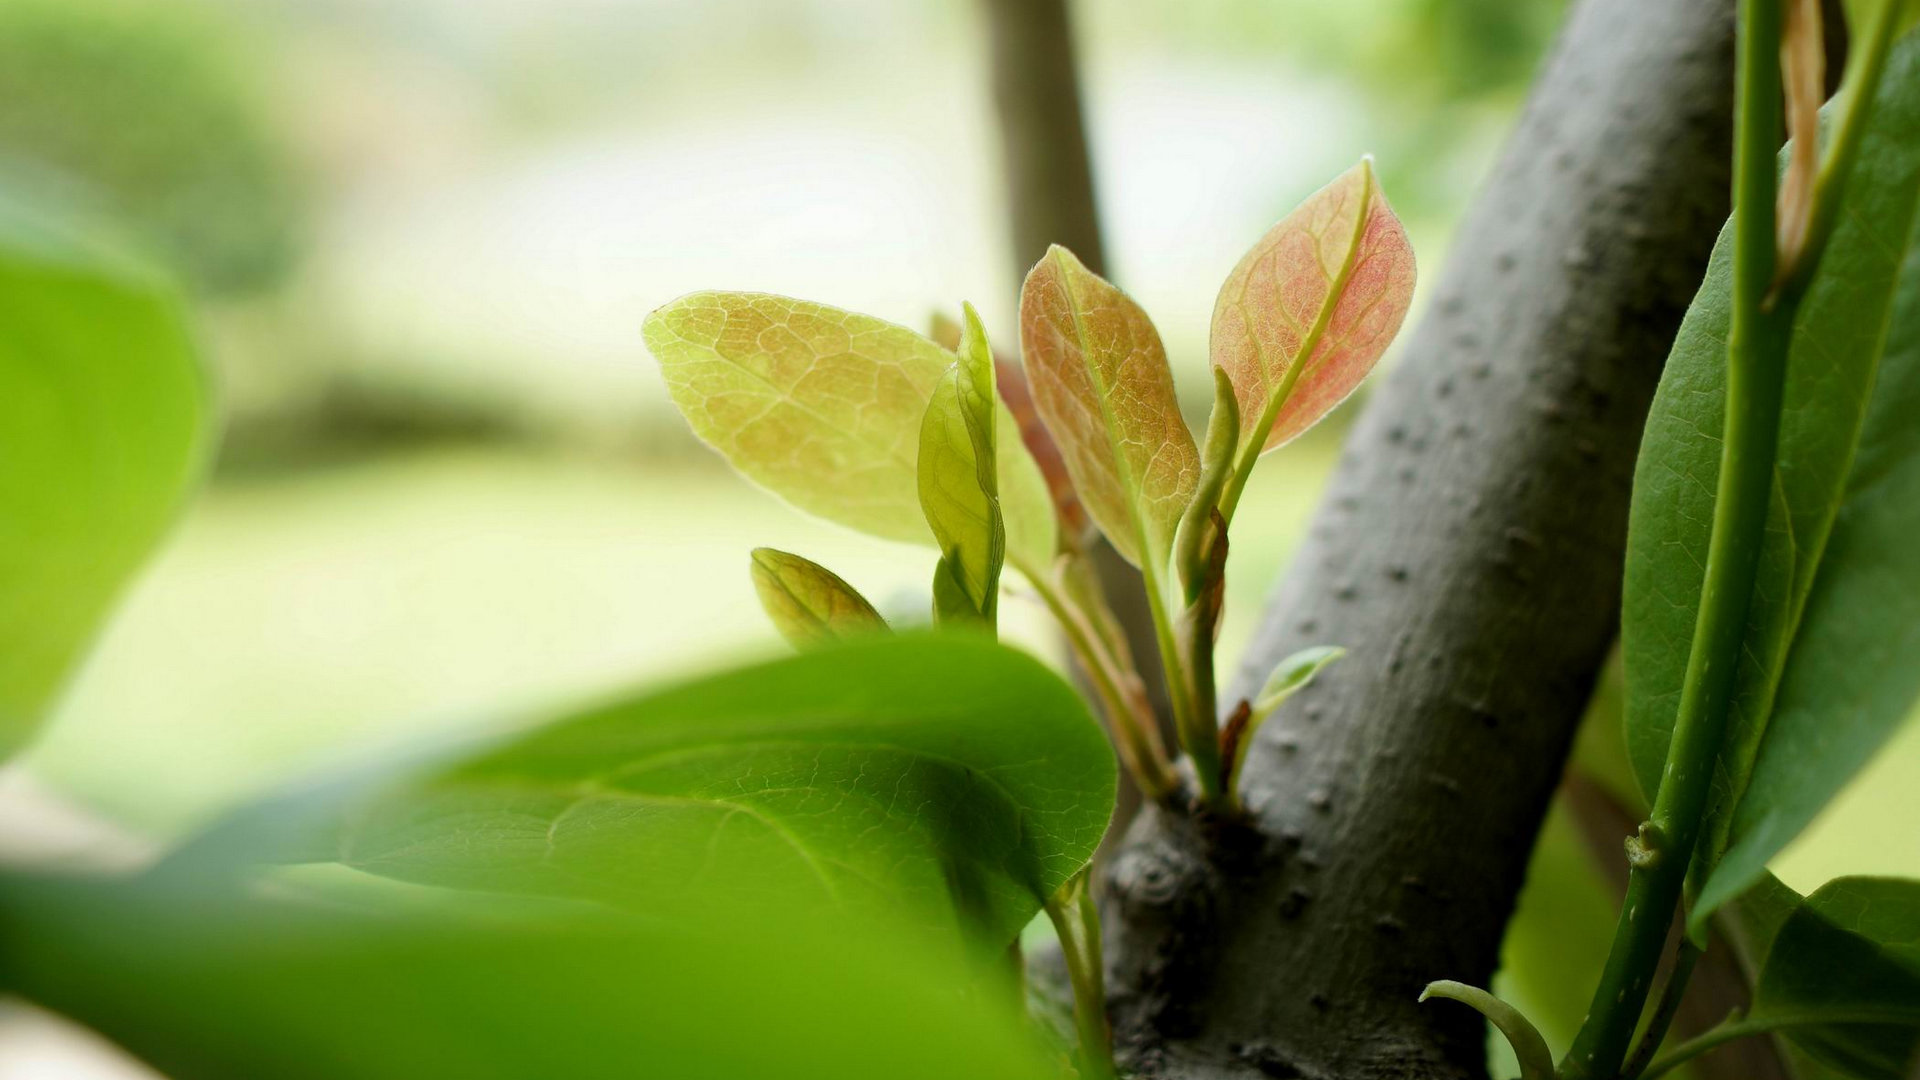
(149, 114)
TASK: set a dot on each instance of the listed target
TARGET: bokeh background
(420, 237)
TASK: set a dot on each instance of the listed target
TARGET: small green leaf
(1309, 310)
(1293, 674)
(958, 489)
(1101, 382)
(823, 408)
(209, 981)
(1290, 677)
(105, 416)
(1830, 374)
(949, 779)
(808, 603)
(1843, 977)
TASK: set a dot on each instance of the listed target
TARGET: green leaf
(950, 778)
(215, 982)
(1292, 675)
(958, 490)
(1101, 382)
(808, 603)
(1843, 977)
(105, 414)
(1831, 370)
(1309, 310)
(823, 408)
(1849, 682)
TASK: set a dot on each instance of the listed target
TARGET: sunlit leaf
(808, 603)
(958, 489)
(1100, 380)
(823, 407)
(1309, 310)
(1851, 955)
(104, 417)
(1840, 713)
(950, 779)
(206, 981)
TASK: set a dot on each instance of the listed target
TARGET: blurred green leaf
(204, 177)
(948, 780)
(209, 982)
(823, 408)
(1831, 371)
(958, 490)
(1850, 952)
(808, 603)
(1101, 382)
(105, 414)
(1332, 280)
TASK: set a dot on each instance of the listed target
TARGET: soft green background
(452, 490)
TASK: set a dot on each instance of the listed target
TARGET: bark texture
(1468, 553)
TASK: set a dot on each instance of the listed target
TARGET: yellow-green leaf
(1308, 311)
(103, 430)
(822, 407)
(958, 489)
(1101, 382)
(808, 603)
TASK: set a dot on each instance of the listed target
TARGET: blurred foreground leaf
(209, 982)
(949, 781)
(104, 420)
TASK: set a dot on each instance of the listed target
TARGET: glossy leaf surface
(1831, 372)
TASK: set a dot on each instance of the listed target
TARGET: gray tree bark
(1468, 553)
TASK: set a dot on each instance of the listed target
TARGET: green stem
(1734, 1028)
(1756, 369)
(1664, 1012)
(1135, 731)
(1077, 923)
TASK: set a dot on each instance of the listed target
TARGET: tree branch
(1468, 552)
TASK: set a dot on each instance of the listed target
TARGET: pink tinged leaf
(1310, 309)
(1101, 383)
(1014, 392)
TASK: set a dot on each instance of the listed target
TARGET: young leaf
(1843, 977)
(1100, 380)
(1308, 311)
(958, 490)
(1831, 369)
(952, 780)
(823, 407)
(1289, 677)
(211, 981)
(105, 414)
(808, 603)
